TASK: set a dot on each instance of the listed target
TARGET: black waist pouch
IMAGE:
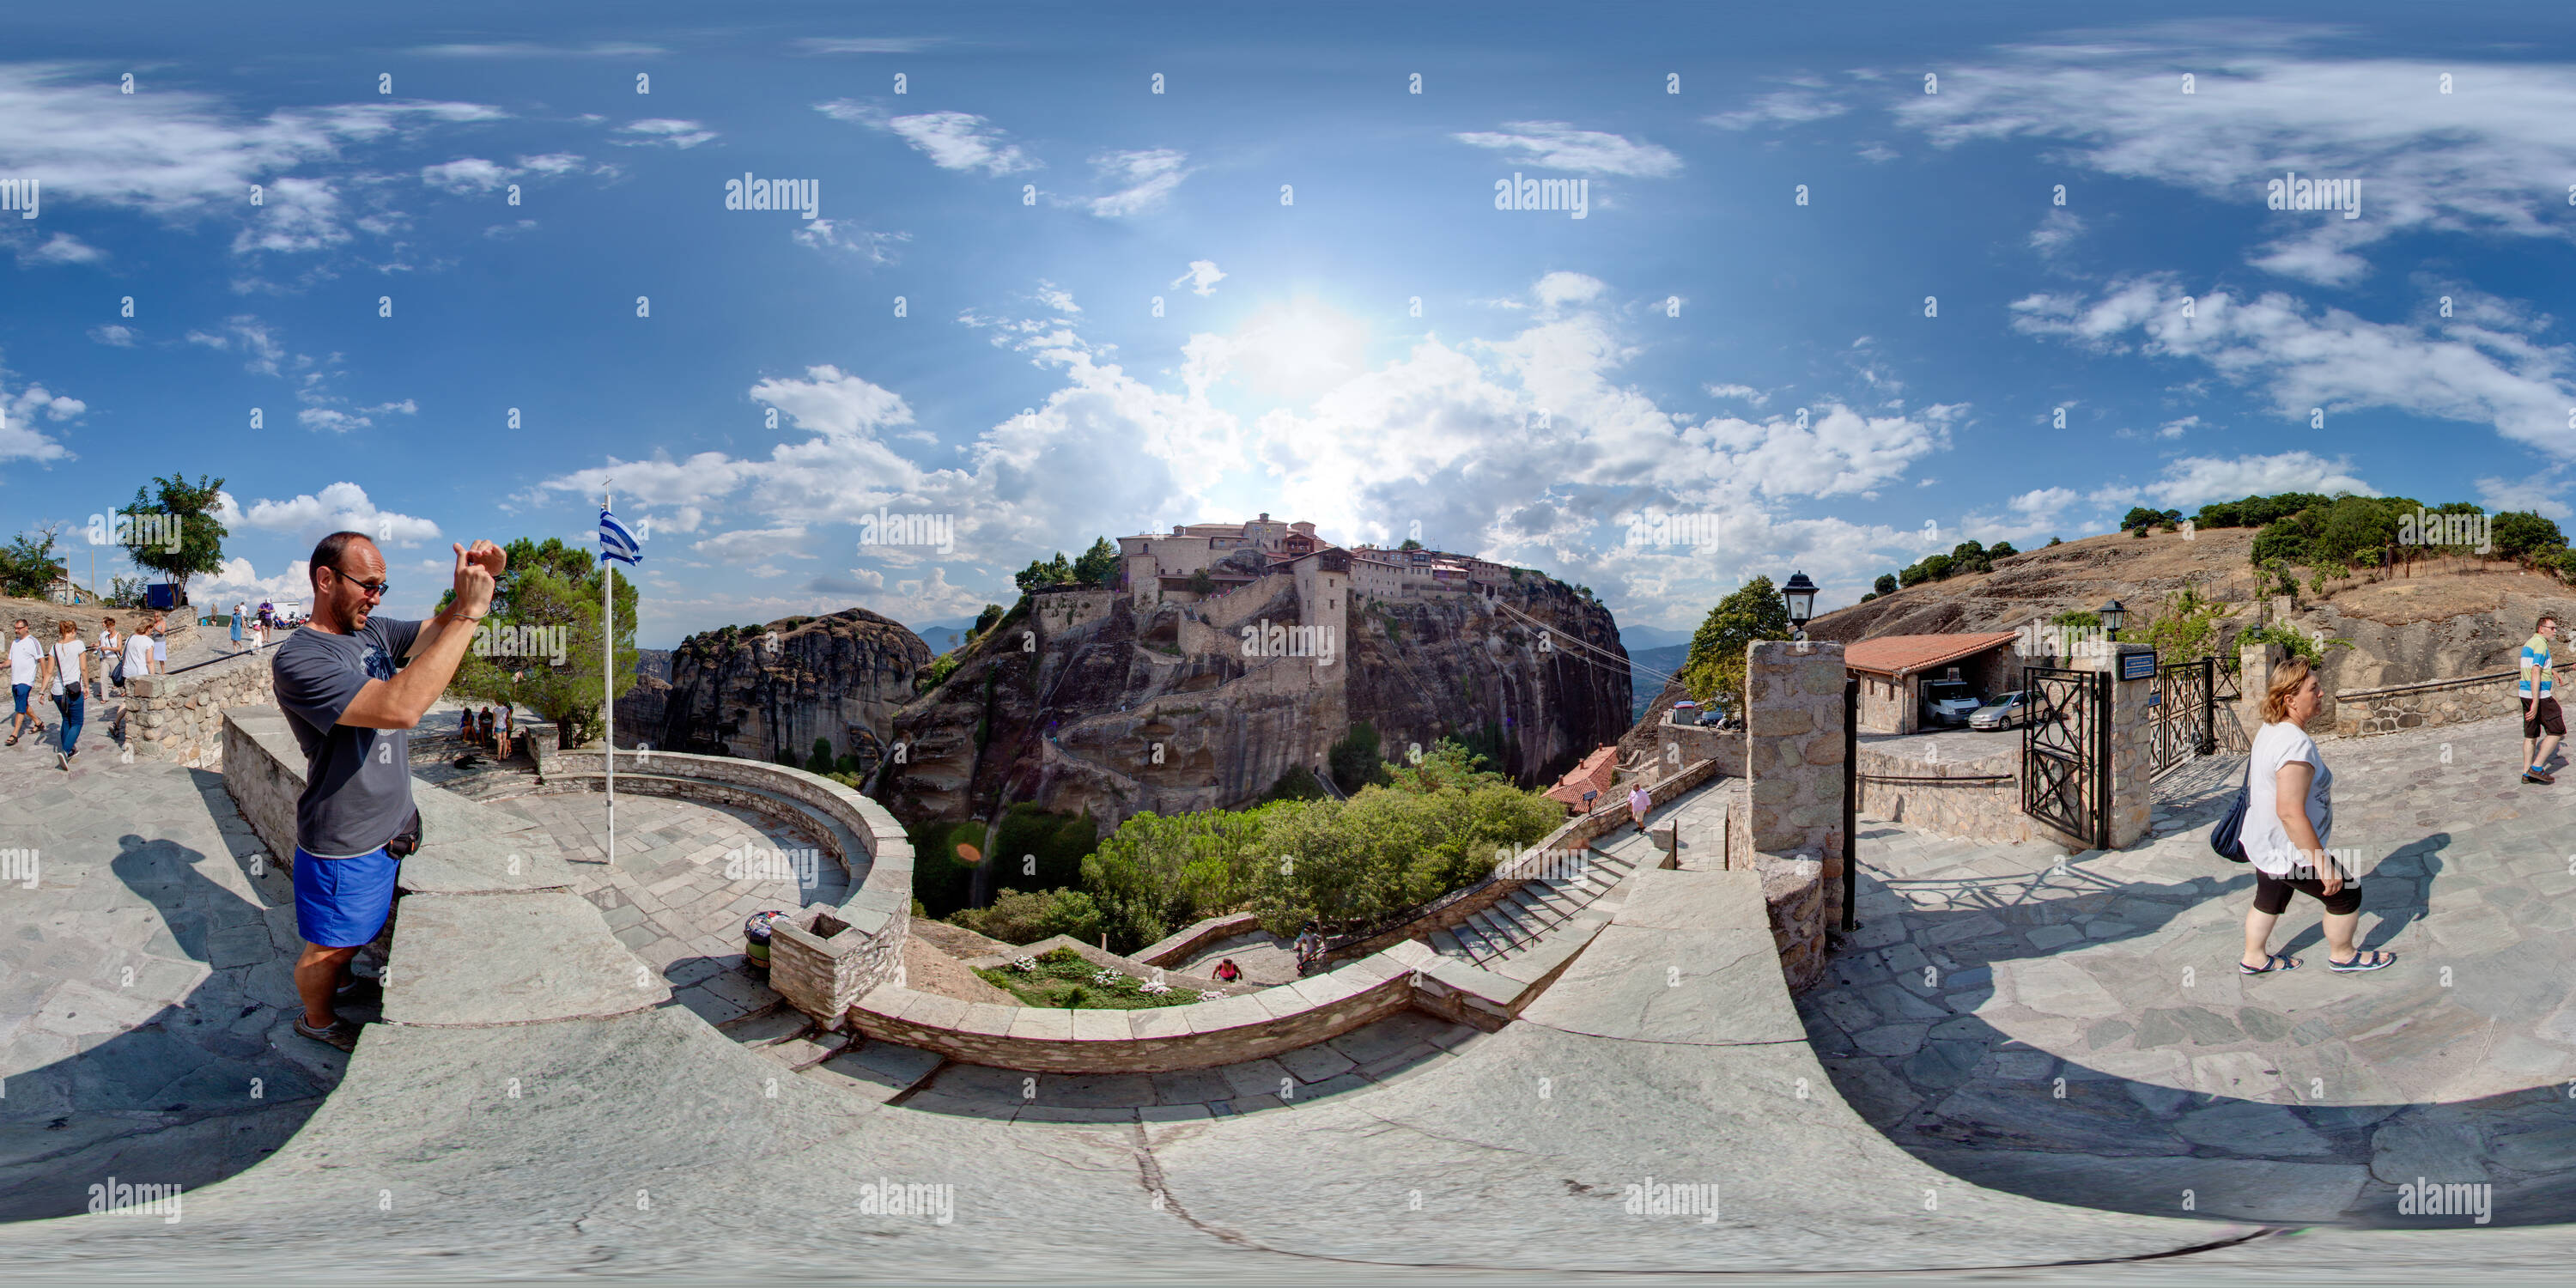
(406, 840)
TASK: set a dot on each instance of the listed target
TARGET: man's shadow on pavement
(195, 1092)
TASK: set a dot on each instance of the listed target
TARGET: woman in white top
(2289, 812)
(111, 646)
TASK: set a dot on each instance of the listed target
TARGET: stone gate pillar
(2255, 680)
(2132, 795)
(1791, 830)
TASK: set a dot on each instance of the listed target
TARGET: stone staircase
(1516, 922)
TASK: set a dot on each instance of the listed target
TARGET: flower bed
(1062, 978)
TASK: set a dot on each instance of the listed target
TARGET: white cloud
(952, 140)
(2177, 428)
(61, 248)
(20, 439)
(238, 580)
(2469, 368)
(111, 334)
(341, 506)
(1559, 146)
(2466, 161)
(1745, 392)
(2194, 481)
(1054, 297)
(466, 175)
(1149, 177)
(751, 543)
(1783, 107)
(846, 235)
(657, 131)
(180, 155)
(1202, 277)
(1876, 152)
(871, 45)
(531, 49)
(2057, 230)
(2537, 492)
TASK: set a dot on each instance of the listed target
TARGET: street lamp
(1800, 595)
(2112, 616)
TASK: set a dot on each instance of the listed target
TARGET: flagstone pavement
(2075, 1027)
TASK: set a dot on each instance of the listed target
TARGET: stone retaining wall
(180, 717)
(1245, 1026)
(1174, 949)
(2364, 713)
(825, 958)
(1969, 810)
(1680, 744)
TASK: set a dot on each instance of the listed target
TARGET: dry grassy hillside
(2451, 618)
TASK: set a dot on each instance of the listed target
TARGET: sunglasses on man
(373, 588)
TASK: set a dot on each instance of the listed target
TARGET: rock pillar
(1791, 829)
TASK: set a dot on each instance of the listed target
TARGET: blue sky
(1350, 331)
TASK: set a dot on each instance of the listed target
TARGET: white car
(1948, 703)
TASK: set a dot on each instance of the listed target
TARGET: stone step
(1473, 940)
(1504, 932)
(1446, 944)
(1534, 910)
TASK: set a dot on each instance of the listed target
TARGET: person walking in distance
(137, 663)
(2542, 724)
(66, 676)
(353, 686)
(2289, 813)
(111, 650)
(26, 659)
(161, 644)
(239, 627)
(1640, 804)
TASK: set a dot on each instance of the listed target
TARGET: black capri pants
(2272, 894)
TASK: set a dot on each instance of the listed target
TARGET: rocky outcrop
(839, 677)
(1082, 700)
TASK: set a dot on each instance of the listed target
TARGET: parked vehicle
(1948, 703)
(2007, 711)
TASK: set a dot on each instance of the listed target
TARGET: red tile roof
(1902, 655)
(1598, 772)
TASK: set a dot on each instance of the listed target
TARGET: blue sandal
(2368, 959)
(2273, 963)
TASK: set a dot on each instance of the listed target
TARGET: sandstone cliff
(1083, 701)
(839, 677)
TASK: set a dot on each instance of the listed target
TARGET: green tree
(2002, 550)
(986, 620)
(821, 761)
(1354, 760)
(1042, 573)
(1201, 583)
(2184, 629)
(201, 535)
(1098, 566)
(1886, 584)
(27, 567)
(2057, 541)
(1410, 544)
(2526, 537)
(549, 593)
(1714, 667)
(2139, 519)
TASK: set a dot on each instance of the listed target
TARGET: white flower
(1155, 986)
(1104, 977)
(1024, 963)
(1211, 995)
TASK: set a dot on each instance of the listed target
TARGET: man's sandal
(2371, 960)
(2273, 963)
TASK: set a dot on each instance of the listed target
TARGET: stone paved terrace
(146, 994)
(2080, 1032)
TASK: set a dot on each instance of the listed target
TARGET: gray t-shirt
(357, 782)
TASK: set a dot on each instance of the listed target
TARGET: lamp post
(1800, 596)
(2113, 616)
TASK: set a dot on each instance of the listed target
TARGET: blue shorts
(343, 903)
(18, 694)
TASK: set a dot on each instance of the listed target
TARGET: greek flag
(615, 542)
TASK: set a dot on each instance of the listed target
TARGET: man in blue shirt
(2541, 722)
(352, 704)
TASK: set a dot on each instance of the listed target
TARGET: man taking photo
(353, 685)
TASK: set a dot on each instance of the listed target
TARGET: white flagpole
(607, 673)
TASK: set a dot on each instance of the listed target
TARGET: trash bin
(755, 939)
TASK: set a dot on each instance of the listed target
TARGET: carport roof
(1903, 655)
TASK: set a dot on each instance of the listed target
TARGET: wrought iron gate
(2066, 752)
(2179, 725)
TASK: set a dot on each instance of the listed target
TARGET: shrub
(1885, 585)
(2524, 536)
(1024, 917)
(1354, 760)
